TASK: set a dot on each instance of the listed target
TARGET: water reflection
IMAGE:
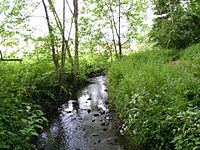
(84, 124)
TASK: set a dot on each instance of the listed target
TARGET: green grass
(157, 95)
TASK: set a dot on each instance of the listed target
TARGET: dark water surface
(84, 124)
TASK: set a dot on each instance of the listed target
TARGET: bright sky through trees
(38, 25)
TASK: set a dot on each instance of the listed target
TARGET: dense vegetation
(30, 93)
(21, 115)
(176, 25)
(156, 91)
(157, 95)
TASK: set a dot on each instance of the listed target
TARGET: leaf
(38, 126)
(34, 134)
(28, 108)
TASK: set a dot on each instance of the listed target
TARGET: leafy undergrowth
(29, 94)
(28, 89)
(157, 95)
(93, 64)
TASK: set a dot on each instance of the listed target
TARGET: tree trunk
(119, 32)
(76, 63)
(113, 39)
(63, 48)
(1, 56)
(54, 57)
(59, 24)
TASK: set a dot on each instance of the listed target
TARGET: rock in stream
(82, 124)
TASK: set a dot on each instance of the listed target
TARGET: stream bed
(85, 124)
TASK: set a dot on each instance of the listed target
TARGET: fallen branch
(11, 60)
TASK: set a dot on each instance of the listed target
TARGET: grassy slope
(157, 95)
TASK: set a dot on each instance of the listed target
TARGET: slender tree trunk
(59, 24)
(110, 51)
(1, 56)
(63, 47)
(113, 39)
(76, 64)
(71, 61)
(119, 32)
(54, 57)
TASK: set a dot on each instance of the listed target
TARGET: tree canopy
(176, 25)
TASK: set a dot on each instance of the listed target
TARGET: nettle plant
(34, 121)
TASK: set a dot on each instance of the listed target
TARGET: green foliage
(157, 96)
(176, 25)
(96, 31)
(14, 21)
(94, 62)
(25, 87)
(187, 129)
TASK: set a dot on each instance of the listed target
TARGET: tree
(176, 25)
(65, 46)
(14, 25)
(76, 64)
(52, 41)
(113, 23)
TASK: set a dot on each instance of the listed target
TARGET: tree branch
(113, 18)
(59, 24)
(70, 29)
(69, 7)
(11, 60)
(1, 55)
(55, 59)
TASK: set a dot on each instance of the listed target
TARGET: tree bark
(76, 64)
(63, 47)
(1, 56)
(119, 32)
(113, 39)
(59, 24)
(54, 57)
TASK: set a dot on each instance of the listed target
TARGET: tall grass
(157, 95)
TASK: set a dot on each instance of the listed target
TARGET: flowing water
(85, 124)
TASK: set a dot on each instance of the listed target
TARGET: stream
(85, 124)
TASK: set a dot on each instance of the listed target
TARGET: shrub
(23, 87)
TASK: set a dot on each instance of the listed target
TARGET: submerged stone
(99, 141)
(96, 114)
(103, 123)
(95, 135)
(105, 129)
(102, 112)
